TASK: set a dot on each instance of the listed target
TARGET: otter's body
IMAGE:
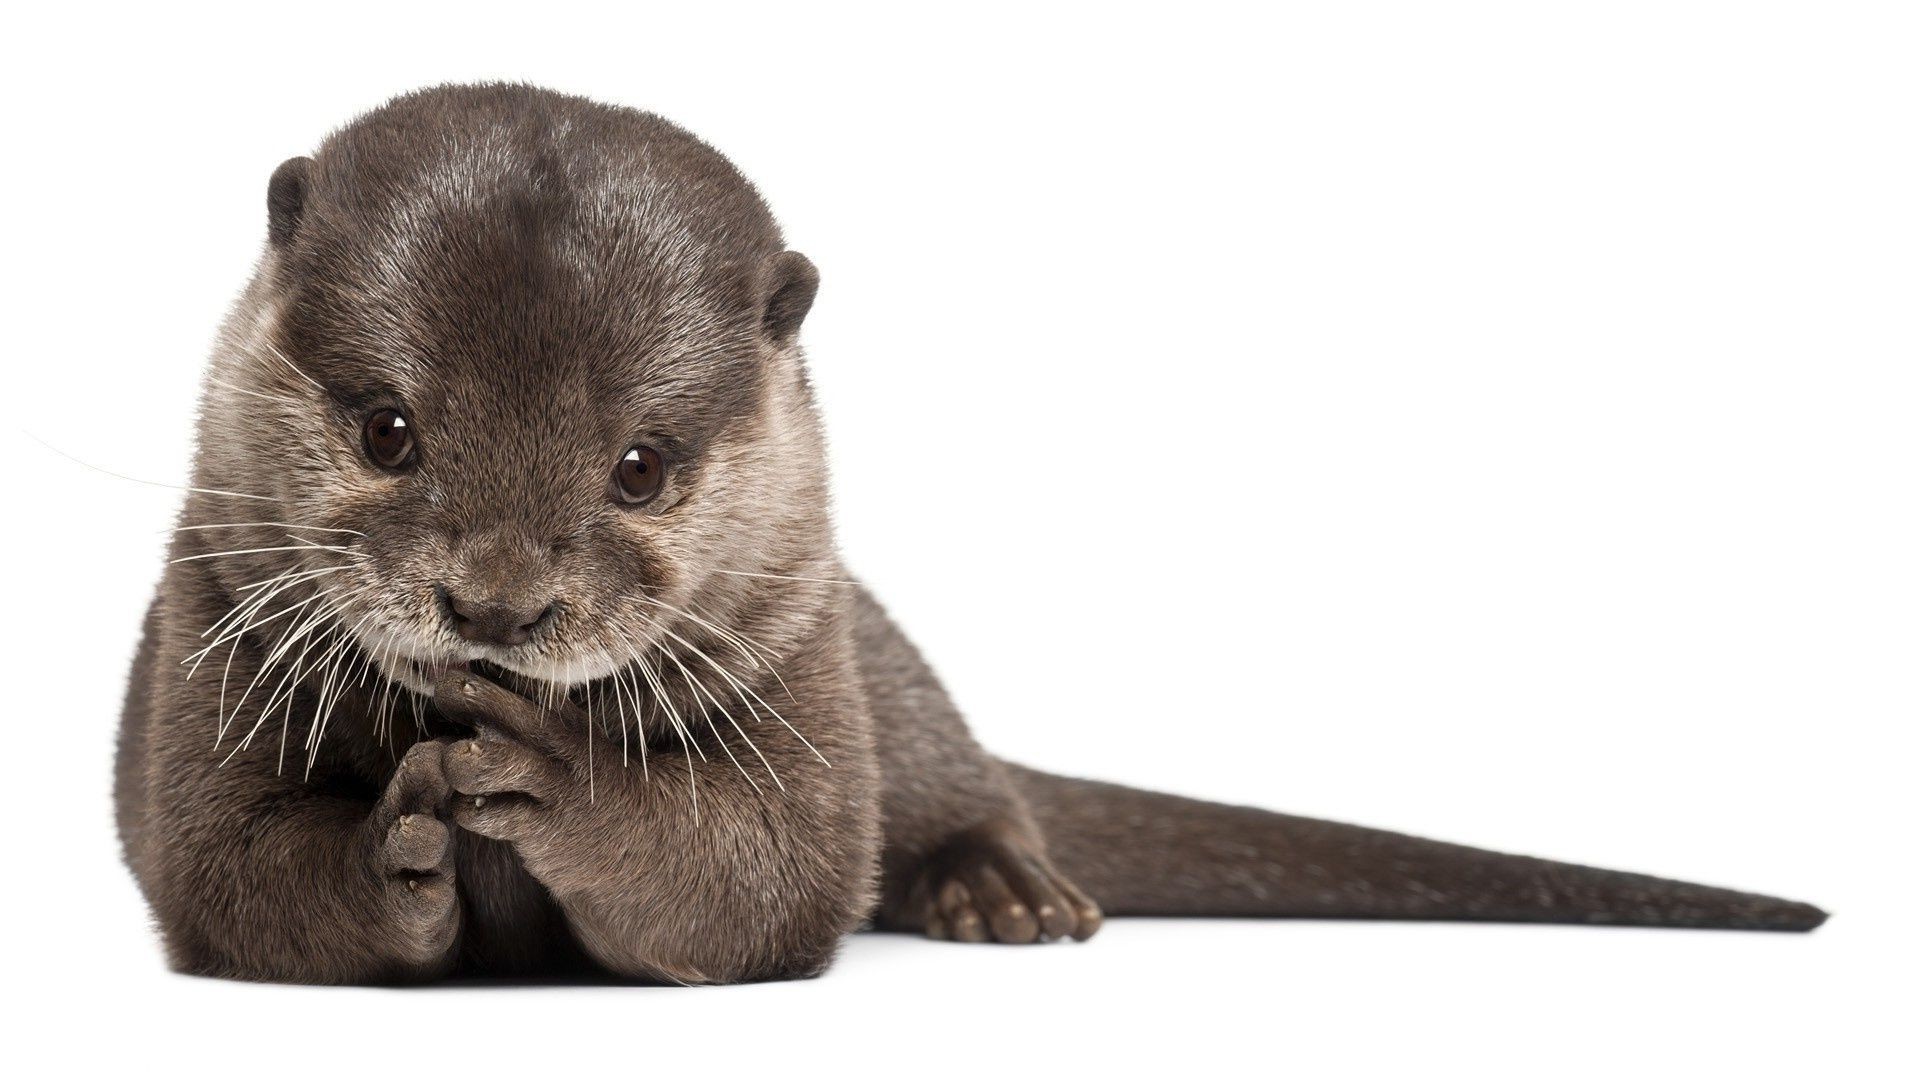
(505, 631)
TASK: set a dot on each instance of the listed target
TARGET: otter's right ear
(788, 283)
(286, 199)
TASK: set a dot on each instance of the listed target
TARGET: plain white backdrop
(1494, 421)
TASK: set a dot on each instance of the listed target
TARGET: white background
(1495, 421)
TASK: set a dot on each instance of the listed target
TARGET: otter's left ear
(287, 199)
(787, 284)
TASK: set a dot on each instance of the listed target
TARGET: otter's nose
(493, 621)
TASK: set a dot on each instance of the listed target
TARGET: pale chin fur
(416, 665)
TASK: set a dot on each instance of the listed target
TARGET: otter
(504, 632)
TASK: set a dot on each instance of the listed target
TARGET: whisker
(288, 638)
(281, 583)
(327, 667)
(280, 398)
(298, 674)
(699, 688)
(386, 697)
(304, 574)
(225, 638)
(317, 545)
(149, 483)
(620, 708)
(255, 551)
(687, 746)
(271, 347)
(745, 691)
(226, 718)
(787, 577)
(665, 699)
(289, 684)
(252, 603)
(639, 713)
(247, 623)
(587, 697)
(739, 641)
(266, 525)
(324, 708)
(235, 638)
(711, 726)
(722, 633)
(359, 677)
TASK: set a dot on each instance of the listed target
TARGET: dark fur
(542, 282)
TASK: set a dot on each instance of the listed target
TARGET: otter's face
(502, 434)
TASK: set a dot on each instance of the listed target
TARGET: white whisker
(226, 718)
(787, 577)
(687, 745)
(741, 643)
(245, 608)
(266, 525)
(271, 347)
(698, 688)
(745, 691)
(586, 695)
(149, 483)
(288, 638)
(259, 550)
(639, 712)
(303, 574)
(278, 398)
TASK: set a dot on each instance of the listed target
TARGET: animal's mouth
(431, 673)
(486, 669)
(421, 675)
(434, 671)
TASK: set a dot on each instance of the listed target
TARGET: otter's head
(517, 382)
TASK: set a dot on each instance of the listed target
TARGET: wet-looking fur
(681, 744)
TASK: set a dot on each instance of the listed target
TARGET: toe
(969, 926)
(1051, 907)
(416, 843)
(1056, 921)
(508, 816)
(955, 906)
(1081, 912)
(951, 897)
(1014, 924)
(1011, 920)
(1086, 914)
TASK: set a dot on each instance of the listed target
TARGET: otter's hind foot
(992, 885)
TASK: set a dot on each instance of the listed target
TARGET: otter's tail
(1142, 853)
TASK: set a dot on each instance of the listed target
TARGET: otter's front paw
(413, 856)
(525, 778)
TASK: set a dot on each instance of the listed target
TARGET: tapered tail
(1142, 853)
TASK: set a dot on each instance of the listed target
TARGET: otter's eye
(639, 475)
(389, 439)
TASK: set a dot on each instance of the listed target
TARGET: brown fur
(353, 792)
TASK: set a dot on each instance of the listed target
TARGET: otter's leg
(255, 875)
(693, 870)
(964, 860)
